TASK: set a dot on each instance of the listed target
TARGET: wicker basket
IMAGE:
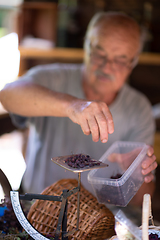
(95, 221)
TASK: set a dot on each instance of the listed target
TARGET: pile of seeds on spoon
(81, 161)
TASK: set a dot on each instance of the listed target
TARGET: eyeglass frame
(133, 62)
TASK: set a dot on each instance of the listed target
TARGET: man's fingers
(149, 165)
(150, 168)
(110, 123)
(85, 127)
(109, 119)
(104, 122)
(150, 151)
(94, 128)
(148, 161)
(103, 127)
(93, 117)
(149, 178)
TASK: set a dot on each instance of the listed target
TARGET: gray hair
(101, 16)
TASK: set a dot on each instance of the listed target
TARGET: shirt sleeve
(19, 121)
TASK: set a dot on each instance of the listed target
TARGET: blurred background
(38, 32)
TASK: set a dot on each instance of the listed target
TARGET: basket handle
(146, 216)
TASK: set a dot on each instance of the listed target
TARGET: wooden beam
(73, 54)
(54, 53)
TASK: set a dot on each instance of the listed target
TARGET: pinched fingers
(105, 124)
(100, 122)
(93, 117)
(91, 126)
(94, 128)
(108, 116)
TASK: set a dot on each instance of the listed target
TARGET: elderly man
(69, 107)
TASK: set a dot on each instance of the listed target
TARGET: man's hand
(94, 118)
(124, 159)
(148, 165)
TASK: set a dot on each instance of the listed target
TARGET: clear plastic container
(119, 182)
(125, 228)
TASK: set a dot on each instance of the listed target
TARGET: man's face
(110, 60)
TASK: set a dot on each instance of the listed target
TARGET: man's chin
(102, 88)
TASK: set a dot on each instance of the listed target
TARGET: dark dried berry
(118, 175)
(153, 236)
(81, 161)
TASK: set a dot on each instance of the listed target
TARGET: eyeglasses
(116, 64)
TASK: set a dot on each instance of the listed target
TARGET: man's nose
(107, 64)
